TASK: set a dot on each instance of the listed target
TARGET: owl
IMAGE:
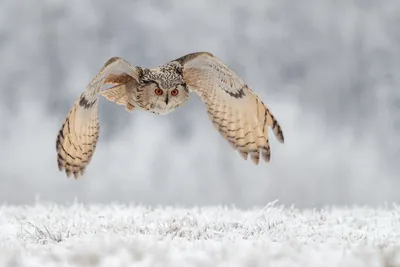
(234, 109)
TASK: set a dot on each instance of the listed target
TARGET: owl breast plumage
(234, 109)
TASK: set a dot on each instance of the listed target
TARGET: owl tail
(78, 136)
(276, 128)
(120, 94)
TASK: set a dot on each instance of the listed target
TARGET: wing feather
(78, 136)
(235, 110)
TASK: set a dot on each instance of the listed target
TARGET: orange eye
(158, 91)
(174, 92)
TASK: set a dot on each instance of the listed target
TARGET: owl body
(234, 109)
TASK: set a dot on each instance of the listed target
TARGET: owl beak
(166, 99)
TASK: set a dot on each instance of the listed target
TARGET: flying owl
(234, 109)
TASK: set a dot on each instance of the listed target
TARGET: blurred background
(328, 70)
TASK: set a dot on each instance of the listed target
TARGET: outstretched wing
(77, 138)
(235, 110)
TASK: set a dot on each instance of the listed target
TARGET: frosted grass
(136, 235)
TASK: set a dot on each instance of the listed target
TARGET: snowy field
(135, 235)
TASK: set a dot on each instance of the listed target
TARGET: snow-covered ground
(135, 235)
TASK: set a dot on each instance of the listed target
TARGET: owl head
(162, 89)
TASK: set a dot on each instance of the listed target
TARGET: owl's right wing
(235, 110)
(78, 136)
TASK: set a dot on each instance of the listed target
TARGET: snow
(48, 234)
(328, 71)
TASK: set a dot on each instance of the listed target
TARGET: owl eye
(158, 91)
(174, 92)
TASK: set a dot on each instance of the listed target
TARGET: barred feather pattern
(234, 109)
(77, 139)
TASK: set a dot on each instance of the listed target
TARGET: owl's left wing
(235, 110)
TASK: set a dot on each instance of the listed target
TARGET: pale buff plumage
(235, 110)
